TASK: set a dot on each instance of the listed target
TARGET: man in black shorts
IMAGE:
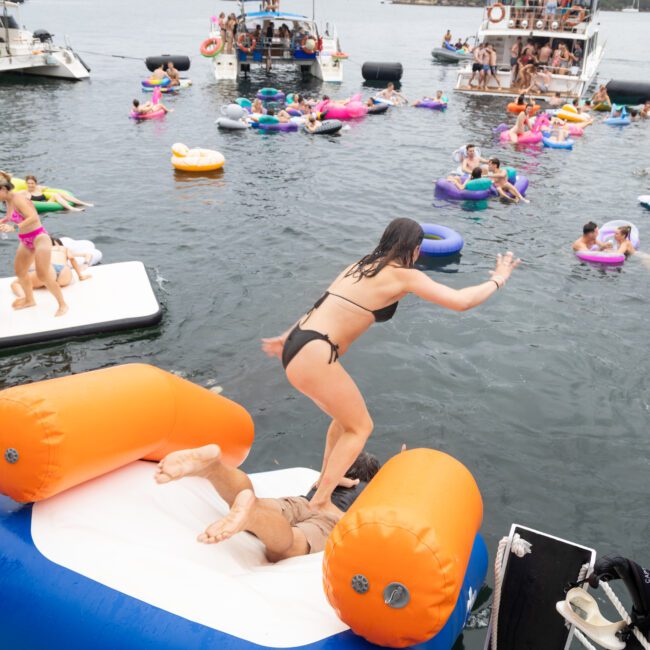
(477, 65)
(287, 527)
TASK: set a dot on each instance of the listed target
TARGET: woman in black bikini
(64, 199)
(366, 292)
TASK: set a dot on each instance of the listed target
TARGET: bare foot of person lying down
(189, 462)
(234, 522)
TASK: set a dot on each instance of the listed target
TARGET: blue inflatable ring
(440, 241)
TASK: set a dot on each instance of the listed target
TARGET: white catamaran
(540, 23)
(270, 38)
(34, 53)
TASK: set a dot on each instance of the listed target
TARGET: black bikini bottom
(298, 338)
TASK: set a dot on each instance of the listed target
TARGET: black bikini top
(381, 315)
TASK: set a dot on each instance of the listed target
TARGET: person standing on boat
(477, 65)
(515, 53)
(492, 60)
(366, 292)
(446, 41)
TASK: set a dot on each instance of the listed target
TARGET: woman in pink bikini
(35, 246)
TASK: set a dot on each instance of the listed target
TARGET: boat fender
(181, 62)
(374, 71)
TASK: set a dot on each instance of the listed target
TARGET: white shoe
(580, 609)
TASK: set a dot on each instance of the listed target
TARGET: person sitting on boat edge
(69, 202)
(540, 80)
(287, 526)
(589, 240)
(476, 174)
(505, 189)
(148, 107)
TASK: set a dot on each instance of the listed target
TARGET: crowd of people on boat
(553, 14)
(531, 64)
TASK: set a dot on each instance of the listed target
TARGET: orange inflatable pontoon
(394, 564)
(58, 433)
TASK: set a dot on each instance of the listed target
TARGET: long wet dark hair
(397, 244)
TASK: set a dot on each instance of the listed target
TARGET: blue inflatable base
(48, 607)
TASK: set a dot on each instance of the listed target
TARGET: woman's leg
(65, 276)
(61, 201)
(334, 391)
(22, 262)
(45, 272)
(17, 288)
(71, 199)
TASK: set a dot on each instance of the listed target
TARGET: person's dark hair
(325, 97)
(136, 103)
(589, 227)
(470, 146)
(30, 177)
(496, 162)
(56, 241)
(6, 184)
(633, 112)
(364, 467)
(397, 244)
(521, 99)
(625, 231)
(271, 111)
(477, 172)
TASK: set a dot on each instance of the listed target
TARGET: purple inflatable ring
(278, 126)
(447, 190)
(600, 257)
(433, 104)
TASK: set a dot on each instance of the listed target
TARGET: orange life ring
(340, 55)
(251, 39)
(580, 16)
(304, 42)
(211, 46)
(502, 13)
(513, 107)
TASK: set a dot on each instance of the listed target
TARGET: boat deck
(510, 91)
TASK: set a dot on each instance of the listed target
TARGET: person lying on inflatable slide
(287, 527)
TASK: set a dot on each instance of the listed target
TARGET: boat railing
(529, 15)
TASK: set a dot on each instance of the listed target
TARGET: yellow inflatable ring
(195, 160)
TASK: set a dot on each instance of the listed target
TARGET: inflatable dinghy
(116, 297)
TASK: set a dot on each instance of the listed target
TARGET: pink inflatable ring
(601, 257)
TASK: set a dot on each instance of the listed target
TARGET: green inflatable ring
(478, 184)
(47, 206)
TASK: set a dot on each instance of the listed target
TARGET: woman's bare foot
(234, 522)
(73, 209)
(22, 303)
(188, 462)
(61, 310)
(17, 289)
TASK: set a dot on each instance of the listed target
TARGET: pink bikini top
(16, 217)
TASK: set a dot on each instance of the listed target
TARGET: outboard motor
(43, 36)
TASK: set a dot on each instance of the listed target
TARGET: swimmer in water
(589, 240)
(499, 178)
